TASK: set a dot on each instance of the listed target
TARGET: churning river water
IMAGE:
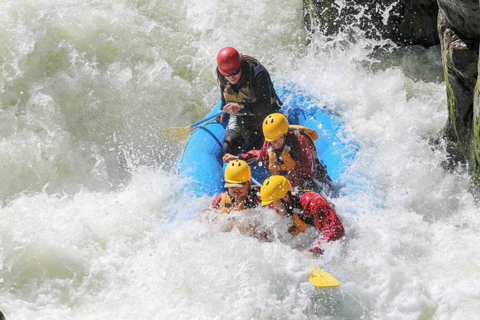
(87, 189)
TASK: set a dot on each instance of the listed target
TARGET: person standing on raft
(247, 95)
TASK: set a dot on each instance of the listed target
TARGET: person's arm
(262, 87)
(331, 226)
(326, 220)
(261, 154)
(252, 154)
(215, 202)
(306, 164)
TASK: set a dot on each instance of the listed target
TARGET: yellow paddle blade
(176, 134)
(320, 278)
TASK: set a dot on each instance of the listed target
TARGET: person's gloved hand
(228, 157)
(316, 247)
(315, 251)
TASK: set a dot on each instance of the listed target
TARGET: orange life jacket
(311, 133)
(227, 204)
(283, 163)
(299, 225)
(300, 222)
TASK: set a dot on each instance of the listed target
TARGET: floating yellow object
(321, 278)
(177, 134)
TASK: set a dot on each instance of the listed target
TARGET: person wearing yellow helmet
(247, 95)
(289, 151)
(240, 194)
(307, 209)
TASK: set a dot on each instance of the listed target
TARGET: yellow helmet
(274, 126)
(237, 172)
(273, 188)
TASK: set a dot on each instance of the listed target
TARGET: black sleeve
(263, 89)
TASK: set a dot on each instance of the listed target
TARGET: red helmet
(228, 60)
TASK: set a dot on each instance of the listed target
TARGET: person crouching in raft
(240, 194)
(289, 151)
(247, 95)
(307, 209)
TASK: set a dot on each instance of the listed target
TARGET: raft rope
(190, 135)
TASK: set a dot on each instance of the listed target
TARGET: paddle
(255, 182)
(177, 134)
(322, 279)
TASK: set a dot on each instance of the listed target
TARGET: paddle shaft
(256, 182)
(198, 123)
(219, 113)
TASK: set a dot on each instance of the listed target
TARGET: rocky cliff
(403, 21)
(459, 34)
(454, 24)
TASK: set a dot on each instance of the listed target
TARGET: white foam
(87, 194)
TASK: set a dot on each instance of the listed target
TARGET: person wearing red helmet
(248, 96)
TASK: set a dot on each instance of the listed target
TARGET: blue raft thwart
(201, 159)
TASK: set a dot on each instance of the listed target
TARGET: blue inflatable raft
(201, 159)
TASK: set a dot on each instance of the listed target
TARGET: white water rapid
(87, 190)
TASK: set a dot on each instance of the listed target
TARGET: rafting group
(257, 133)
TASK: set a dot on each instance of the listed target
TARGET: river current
(87, 190)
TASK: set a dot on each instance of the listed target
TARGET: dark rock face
(459, 33)
(462, 16)
(454, 24)
(403, 21)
